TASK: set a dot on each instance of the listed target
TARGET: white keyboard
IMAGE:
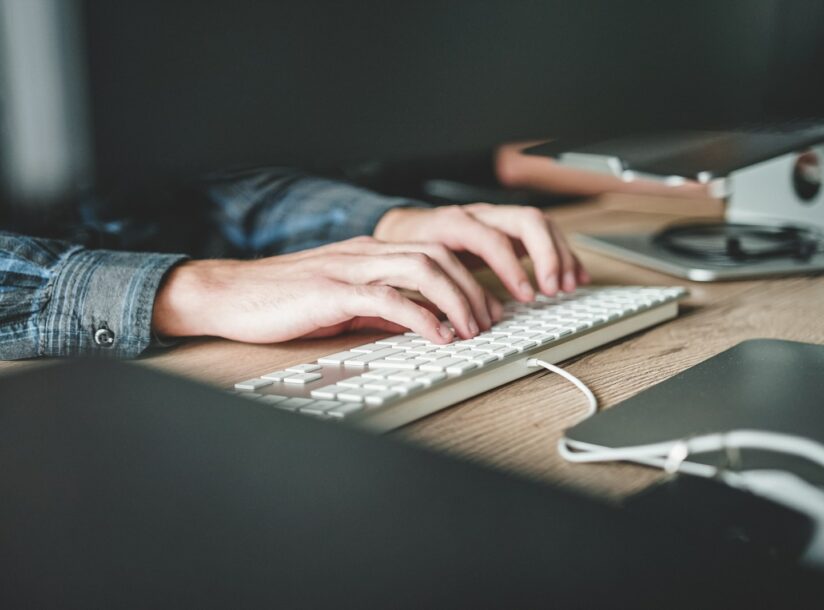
(391, 382)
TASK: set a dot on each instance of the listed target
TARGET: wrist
(183, 301)
(393, 226)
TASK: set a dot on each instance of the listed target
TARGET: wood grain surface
(516, 427)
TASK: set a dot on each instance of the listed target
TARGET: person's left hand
(497, 234)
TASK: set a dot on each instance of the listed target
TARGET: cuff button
(104, 337)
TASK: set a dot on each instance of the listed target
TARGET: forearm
(63, 300)
(276, 211)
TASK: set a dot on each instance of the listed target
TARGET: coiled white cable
(782, 487)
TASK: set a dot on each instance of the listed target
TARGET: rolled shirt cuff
(101, 303)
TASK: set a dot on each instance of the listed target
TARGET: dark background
(181, 87)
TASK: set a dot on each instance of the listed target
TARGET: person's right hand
(325, 291)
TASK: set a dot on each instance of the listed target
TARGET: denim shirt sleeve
(55, 298)
(276, 210)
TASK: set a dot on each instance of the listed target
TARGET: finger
(376, 324)
(496, 250)
(569, 264)
(387, 303)
(409, 270)
(582, 273)
(414, 271)
(358, 324)
(496, 309)
(456, 270)
(529, 226)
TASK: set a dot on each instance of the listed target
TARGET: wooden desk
(516, 427)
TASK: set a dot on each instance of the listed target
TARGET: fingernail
(585, 277)
(526, 290)
(569, 281)
(444, 332)
(473, 327)
(552, 285)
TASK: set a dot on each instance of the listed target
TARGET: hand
(499, 235)
(325, 291)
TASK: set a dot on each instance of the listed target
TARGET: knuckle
(389, 294)
(439, 251)
(533, 214)
(500, 241)
(326, 285)
(421, 262)
(454, 211)
(477, 293)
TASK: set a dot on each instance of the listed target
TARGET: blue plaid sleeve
(58, 299)
(275, 211)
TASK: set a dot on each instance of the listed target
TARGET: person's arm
(355, 283)
(271, 211)
(58, 299)
(517, 170)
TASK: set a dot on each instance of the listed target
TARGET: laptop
(125, 487)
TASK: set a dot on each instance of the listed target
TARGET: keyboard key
(461, 367)
(472, 343)
(353, 394)
(303, 368)
(405, 375)
(272, 399)
(441, 364)
(378, 385)
(380, 398)
(396, 340)
(344, 410)
(329, 392)
(302, 378)
(294, 403)
(379, 373)
(430, 356)
(430, 378)
(484, 358)
(276, 375)
(544, 338)
(407, 387)
(252, 384)
(494, 347)
(361, 360)
(423, 349)
(319, 407)
(448, 353)
(522, 336)
(352, 382)
(395, 364)
(402, 357)
(337, 358)
(524, 345)
(504, 351)
(368, 348)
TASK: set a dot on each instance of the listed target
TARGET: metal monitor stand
(786, 190)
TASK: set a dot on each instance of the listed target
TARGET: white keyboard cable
(780, 486)
(592, 402)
